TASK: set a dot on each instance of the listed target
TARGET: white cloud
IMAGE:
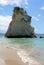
(42, 8)
(4, 22)
(35, 18)
(26, 2)
(38, 15)
(11, 2)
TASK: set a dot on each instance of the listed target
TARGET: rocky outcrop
(41, 36)
(20, 25)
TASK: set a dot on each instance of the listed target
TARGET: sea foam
(27, 59)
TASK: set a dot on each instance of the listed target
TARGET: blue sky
(34, 8)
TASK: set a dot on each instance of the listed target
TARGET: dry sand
(8, 56)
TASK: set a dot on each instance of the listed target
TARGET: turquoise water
(33, 46)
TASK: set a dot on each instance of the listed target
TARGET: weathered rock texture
(20, 25)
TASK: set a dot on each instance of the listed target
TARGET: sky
(34, 8)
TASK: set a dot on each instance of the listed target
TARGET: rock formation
(20, 25)
(41, 36)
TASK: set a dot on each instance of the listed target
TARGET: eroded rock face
(20, 25)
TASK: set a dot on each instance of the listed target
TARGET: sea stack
(20, 26)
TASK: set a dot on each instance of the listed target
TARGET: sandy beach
(11, 56)
(8, 56)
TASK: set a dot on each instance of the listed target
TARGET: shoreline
(11, 56)
(8, 56)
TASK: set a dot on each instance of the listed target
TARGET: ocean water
(29, 49)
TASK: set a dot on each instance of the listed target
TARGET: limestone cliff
(20, 25)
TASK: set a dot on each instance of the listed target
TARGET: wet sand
(8, 56)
